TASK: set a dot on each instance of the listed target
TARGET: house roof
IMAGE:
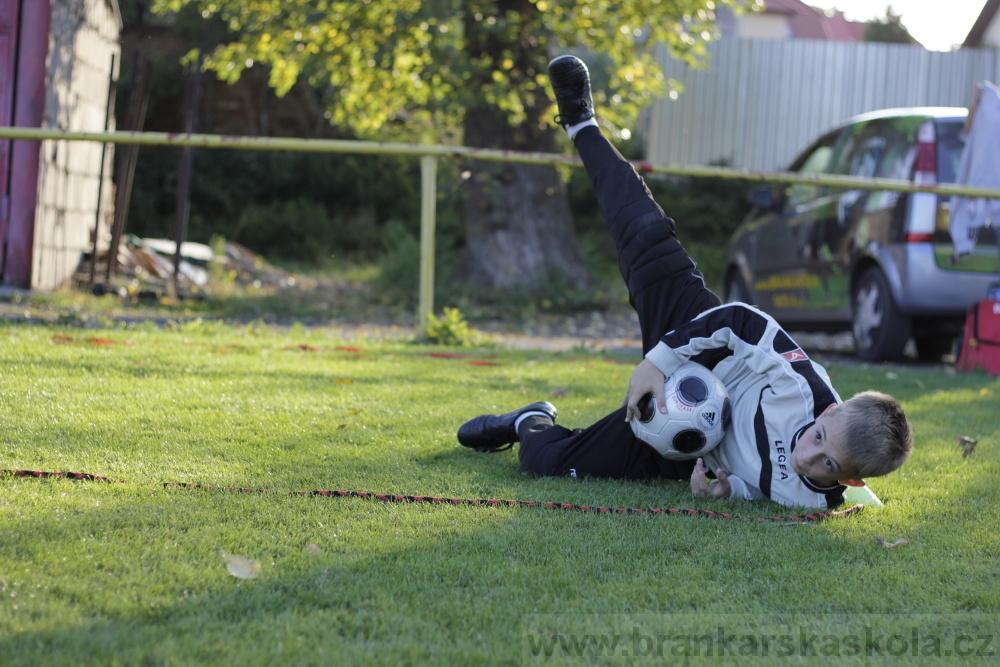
(986, 17)
(784, 6)
(807, 22)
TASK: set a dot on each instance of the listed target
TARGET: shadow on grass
(386, 583)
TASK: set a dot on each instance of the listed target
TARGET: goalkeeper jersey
(776, 393)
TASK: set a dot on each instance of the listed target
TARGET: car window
(860, 150)
(817, 161)
(898, 160)
(949, 150)
(891, 156)
(901, 147)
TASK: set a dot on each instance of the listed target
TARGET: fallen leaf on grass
(107, 341)
(483, 363)
(968, 445)
(100, 341)
(882, 542)
(347, 348)
(241, 568)
(66, 339)
(343, 380)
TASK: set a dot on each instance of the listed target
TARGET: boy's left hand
(646, 379)
(717, 488)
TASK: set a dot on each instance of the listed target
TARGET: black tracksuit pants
(666, 290)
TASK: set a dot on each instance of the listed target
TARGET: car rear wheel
(880, 330)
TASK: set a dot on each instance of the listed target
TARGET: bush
(338, 202)
(300, 230)
(399, 266)
(450, 329)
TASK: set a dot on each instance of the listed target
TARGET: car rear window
(949, 149)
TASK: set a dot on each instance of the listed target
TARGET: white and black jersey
(776, 393)
(775, 390)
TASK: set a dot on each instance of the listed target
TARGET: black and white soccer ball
(698, 414)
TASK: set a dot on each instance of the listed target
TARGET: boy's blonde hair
(879, 438)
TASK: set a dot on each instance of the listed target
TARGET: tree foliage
(888, 29)
(472, 72)
(400, 67)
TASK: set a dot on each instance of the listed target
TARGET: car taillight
(923, 205)
(925, 169)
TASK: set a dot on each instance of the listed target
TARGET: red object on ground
(981, 338)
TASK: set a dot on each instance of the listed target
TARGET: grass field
(133, 572)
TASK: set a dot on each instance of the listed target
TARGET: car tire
(880, 330)
(736, 289)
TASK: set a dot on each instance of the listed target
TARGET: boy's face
(821, 453)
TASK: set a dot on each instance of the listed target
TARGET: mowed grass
(132, 572)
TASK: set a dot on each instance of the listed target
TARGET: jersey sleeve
(740, 489)
(733, 329)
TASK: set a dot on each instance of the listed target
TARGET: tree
(470, 72)
(889, 29)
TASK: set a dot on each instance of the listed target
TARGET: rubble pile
(145, 268)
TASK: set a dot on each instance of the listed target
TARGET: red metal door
(31, 46)
(8, 63)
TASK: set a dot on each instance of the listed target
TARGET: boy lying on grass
(791, 439)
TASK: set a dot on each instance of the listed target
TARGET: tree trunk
(519, 231)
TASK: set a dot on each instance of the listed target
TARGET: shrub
(451, 329)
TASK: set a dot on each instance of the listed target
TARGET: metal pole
(108, 114)
(428, 206)
(192, 90)
(124, 193)
(386, 148)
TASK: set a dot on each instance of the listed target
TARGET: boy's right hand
(717, 488)
(646, 379)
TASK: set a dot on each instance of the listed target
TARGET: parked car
(876, 262)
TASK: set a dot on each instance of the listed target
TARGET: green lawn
(133, 573)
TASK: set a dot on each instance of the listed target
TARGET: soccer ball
(698, 413)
